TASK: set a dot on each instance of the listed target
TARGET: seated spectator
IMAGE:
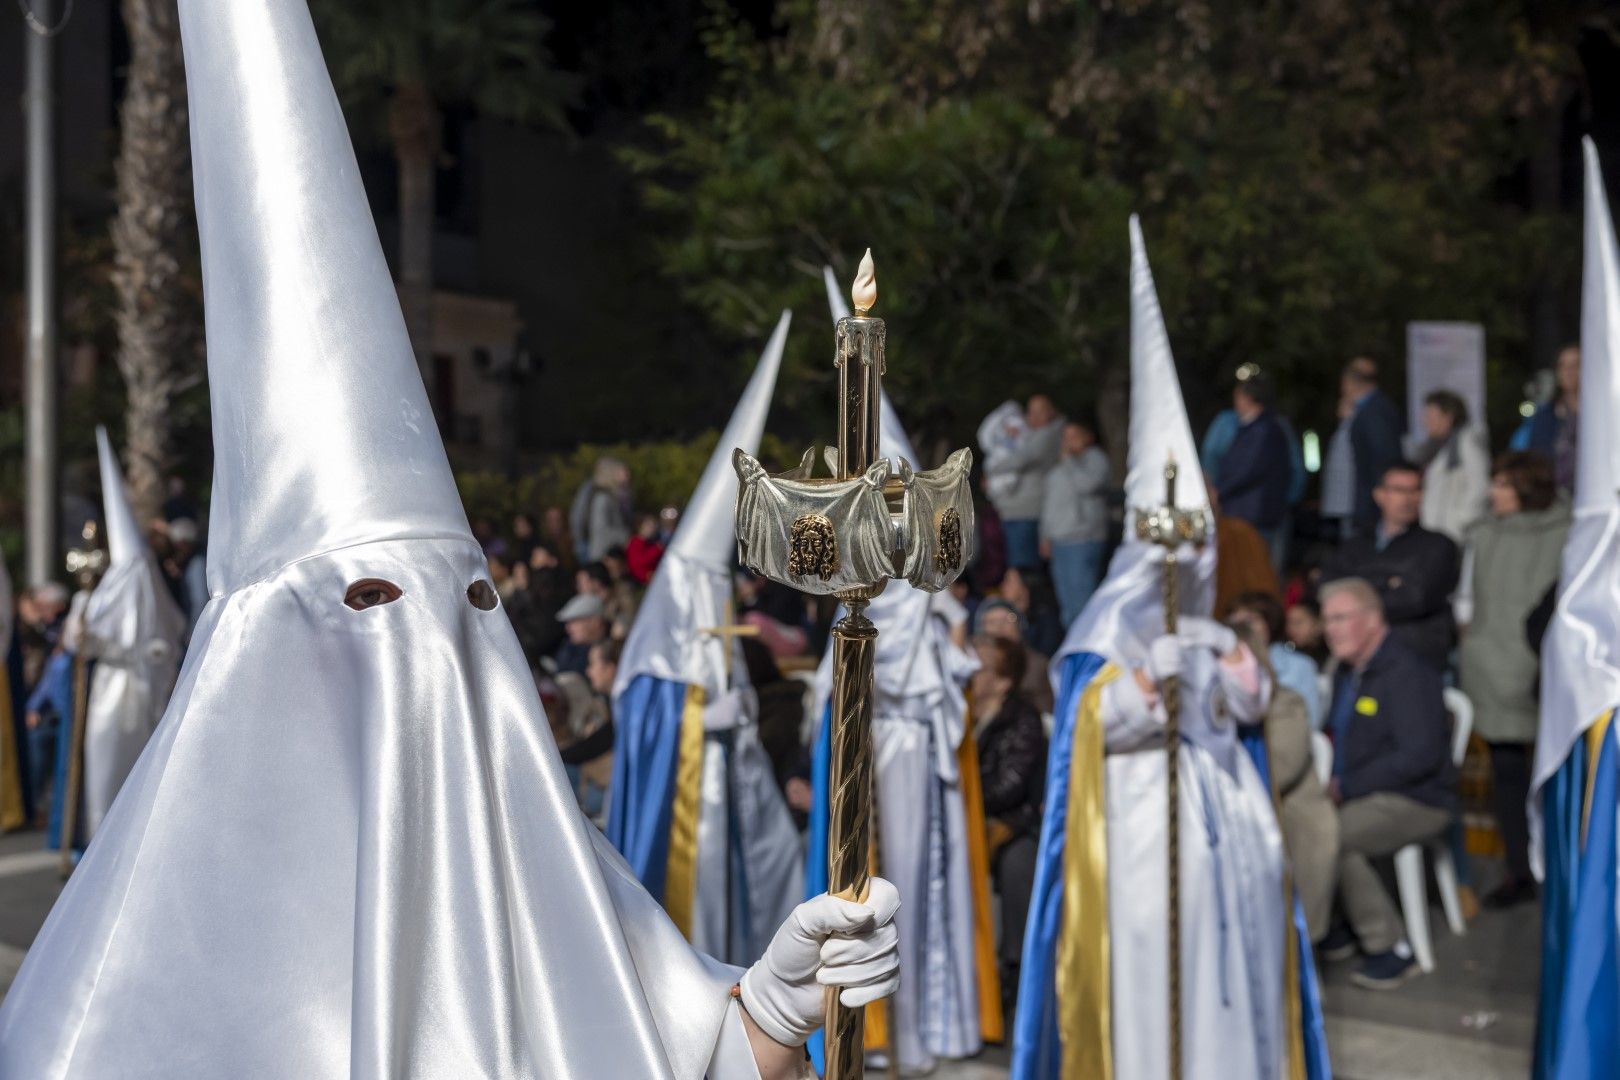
(1304, 628)
(998, 618)
(583, 726)
(1242, 559)
(1262, 617)
(596, 579)
(1413, 570)
(585, 622)
(1310, 824)
(1032, 597)
(644, 551)
(1074, 519)
(1513, 559)
(1012, 769)
(1456, 466)
(1393, 777)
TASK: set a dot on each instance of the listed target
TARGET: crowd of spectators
(1425, 566)
(1420, 566)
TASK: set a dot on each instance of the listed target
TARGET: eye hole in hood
(370, 593)
(481, 595)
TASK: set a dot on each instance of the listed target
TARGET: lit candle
(859, 359)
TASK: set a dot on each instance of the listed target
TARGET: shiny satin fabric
(1038, 1031)
(1577, 1033)
(310, 369)
(750, 872)
(1580, 679)
(351, 850)
(132, 630)
(861, 534)
(1127, 611)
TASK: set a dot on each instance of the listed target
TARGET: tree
(415, 58)
(1310, 175)
(157, 311)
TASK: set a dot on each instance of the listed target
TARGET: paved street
(1473, 1019)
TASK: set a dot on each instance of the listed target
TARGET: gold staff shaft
(1171, 692)
(849, 832)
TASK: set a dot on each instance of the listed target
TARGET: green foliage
(1310, 177)
(487, 53)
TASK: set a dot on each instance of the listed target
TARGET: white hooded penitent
(132, 630)
(350, 849)
(1126, 613)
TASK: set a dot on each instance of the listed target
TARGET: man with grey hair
(1393, 778)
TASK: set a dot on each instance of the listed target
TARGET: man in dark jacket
(1256, 469)
(1393, 777)
(1366, 442)
(1413, 570)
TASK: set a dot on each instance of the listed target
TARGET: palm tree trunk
(156, 317)
(414, 125)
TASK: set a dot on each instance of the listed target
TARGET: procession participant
(695, 807)
(350, 849)
(132, 630)
(1577, 764)
(1094, 980)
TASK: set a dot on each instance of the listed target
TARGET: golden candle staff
(1170, 528)
(85, 563)
(846, 535)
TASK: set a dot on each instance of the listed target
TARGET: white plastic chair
(1322, 756)
(1409, 877)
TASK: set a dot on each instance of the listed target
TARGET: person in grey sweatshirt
(1019, 502)
(1074, 518)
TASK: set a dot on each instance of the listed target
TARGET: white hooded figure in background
(740, 871)
(132, 631)
(350, 849)
(919, 714)
(1233, 921)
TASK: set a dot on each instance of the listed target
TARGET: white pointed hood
(323, 436)
(126, 541)
(1580, 678)
(133, 629)
(350, 848)
(1126, 613)
(691, 590)
(912, 673)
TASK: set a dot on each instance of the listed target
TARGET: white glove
(1197, 632)
(824, 942)
(1164, 658)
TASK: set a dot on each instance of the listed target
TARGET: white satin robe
(350, 850)
(1232, 918)
(132, 630)
(750, 858)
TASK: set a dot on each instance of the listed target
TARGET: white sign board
(1444, 356)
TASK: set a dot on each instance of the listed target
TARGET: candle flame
(864, 291)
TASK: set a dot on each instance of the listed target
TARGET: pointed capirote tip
(864, 291)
